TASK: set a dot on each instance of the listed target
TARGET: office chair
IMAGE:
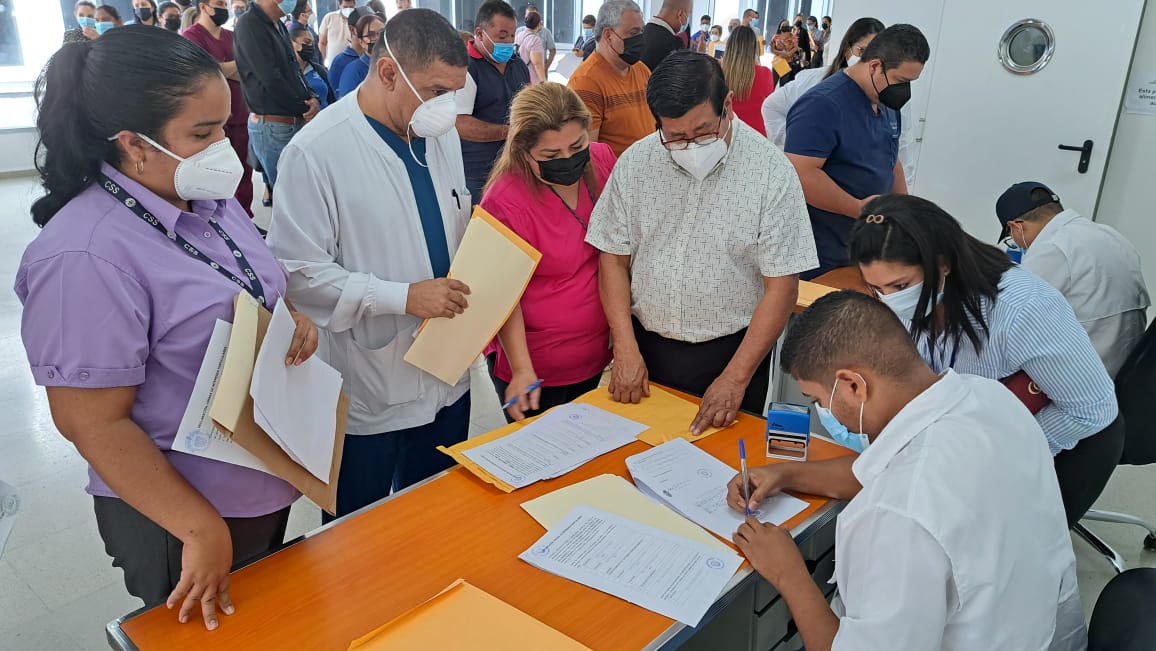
(1122, 619)
(1137, 400)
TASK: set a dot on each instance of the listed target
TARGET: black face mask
(307, 52)
(631, 49)
(893, 96)
(564, 171)
(172, 24)
(144, 13)
(220, 16)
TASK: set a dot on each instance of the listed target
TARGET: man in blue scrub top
(371, 213)
(843, 138)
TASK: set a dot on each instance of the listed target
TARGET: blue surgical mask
(501, 52)
(838, 431)
(587, 33)
(754, 23)
(287, 6)
(104, 27)
(86, 22)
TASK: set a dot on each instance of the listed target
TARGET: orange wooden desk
(360, 572)
(841, 278)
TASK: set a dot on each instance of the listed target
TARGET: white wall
(16, 150)
(1127, 202)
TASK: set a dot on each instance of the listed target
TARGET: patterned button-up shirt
(700, 250)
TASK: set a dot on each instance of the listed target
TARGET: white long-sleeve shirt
(346, 225)
(1099, 272)
(958, 540)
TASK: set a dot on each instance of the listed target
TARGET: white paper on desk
(694, 483)
(197, 435)
(670, 575)
(295, 405)
(9, 506)
(556, 443)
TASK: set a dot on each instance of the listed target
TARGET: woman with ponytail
(143, 250)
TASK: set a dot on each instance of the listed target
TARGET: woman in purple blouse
(143, 249)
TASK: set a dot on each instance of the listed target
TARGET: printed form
(659, 571)
(694, 483)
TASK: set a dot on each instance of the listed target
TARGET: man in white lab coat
(372, 208)
(955, 535)
(1095, 268)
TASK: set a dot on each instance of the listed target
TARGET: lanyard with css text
(254, 287)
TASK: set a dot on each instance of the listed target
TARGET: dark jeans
(692, 367)
(1084, 471)
(151, 556)
(374, 465)
(549, 398)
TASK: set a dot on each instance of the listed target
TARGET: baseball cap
(356, 15)
(1017, 201)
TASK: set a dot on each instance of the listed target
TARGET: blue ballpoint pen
(530, 389)
(743, 470)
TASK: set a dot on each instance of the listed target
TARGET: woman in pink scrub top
(143, 249)
(544, 187)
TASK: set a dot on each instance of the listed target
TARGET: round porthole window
(1027, 46)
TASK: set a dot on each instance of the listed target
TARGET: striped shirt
(1033, 329)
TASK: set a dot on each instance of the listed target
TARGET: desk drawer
(772, 624)
(816, 546)
(821, 570)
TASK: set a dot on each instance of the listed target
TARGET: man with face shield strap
(843, 137)
(954, 536)
(374, 208)
(611, 82)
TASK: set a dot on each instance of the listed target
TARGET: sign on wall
(1140, 96)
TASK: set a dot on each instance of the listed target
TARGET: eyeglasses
(371, 36)
(683, 143)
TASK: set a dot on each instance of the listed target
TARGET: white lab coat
(958, 540)
(346, 226)
(1098, 271)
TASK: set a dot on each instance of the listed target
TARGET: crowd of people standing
(677, 194)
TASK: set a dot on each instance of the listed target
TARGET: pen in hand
(745, 478)
(530, 389)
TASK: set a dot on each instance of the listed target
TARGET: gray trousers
(151, 556)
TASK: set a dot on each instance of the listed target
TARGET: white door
(987, 127)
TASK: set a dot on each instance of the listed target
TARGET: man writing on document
(374, 207)
(955, 536)
(696, 300)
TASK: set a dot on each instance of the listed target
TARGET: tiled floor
(57, 588)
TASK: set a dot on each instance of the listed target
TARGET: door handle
(1085, 155)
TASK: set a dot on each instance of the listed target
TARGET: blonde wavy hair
(535, 110)
(739, 61)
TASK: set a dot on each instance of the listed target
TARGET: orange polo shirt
(616, 102)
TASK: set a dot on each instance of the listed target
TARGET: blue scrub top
(432, 224)
(317, 85)
(346, 57)
(353, 75)
(835, 120)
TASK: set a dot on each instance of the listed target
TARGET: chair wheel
(1150, 542)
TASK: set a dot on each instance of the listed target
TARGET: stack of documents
(197, 434)
(464, 617)
(554, 444)
(295, 405)
(652, 568)
(694, 484)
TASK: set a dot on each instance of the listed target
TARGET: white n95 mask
(436, 116)
(699, 160)
(210, 174)
(904, 301)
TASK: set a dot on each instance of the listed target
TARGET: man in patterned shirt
(703, 231)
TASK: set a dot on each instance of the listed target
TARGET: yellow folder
(497, 265)
(463, 617)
